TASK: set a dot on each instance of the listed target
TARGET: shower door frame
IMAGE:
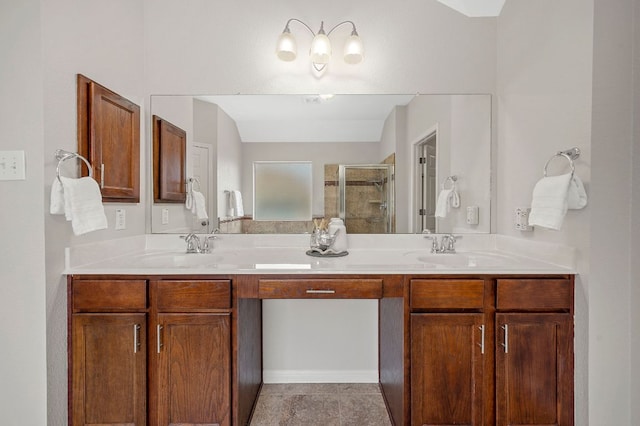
(390, 195)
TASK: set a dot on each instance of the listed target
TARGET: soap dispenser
(337, 225)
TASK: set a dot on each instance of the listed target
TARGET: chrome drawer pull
(159, 339)
(312, 291)
(136, 338)
(506, 338)
(481, 339)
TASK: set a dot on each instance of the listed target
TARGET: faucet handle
(434, 243)
(193, 242)
(207, 246)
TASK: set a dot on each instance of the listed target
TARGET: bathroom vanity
(160, 337)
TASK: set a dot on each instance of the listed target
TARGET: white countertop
(158, 254)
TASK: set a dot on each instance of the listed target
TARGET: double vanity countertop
(155, 254)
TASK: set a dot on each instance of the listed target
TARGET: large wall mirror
(384, 163)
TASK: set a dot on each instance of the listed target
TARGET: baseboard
(320, 376)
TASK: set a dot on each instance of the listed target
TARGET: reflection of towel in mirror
(235, 204)
(82, 204)
(552, 196)
(198, 205)
(447, 199)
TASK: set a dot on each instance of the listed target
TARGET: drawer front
(320, 289)
(534, 294)
(447, 294)
(188, 296)
(109, 295)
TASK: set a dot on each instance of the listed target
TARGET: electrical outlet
(165, 216)
(521, 219)
(121, 219)
(12, 165)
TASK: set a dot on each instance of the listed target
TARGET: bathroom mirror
(434, 145)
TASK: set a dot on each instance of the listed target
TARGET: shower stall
(366, 198)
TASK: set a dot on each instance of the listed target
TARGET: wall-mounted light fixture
(320, 51)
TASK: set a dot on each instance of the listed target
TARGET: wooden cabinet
(534, 352)
(448, 356)
(169, 162)
(447, 369)
(461, 374)
(192, 362)
(109, 137)
(164, 345)
(108, 356)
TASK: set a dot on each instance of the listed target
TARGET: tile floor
(320, 404)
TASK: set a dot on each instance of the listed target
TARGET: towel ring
(193, 180)
(451, 179)
(62, 156)
(570, 155)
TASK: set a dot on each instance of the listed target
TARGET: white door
(425, 184)
(201, 170)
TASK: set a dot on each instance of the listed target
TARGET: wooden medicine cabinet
(109, 136)
(169, 160)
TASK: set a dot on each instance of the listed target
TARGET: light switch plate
(12, 165)
(165, 216)
(121, 219)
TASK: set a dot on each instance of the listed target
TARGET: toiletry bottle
(337, 225)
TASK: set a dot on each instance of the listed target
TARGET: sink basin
(178, 260)
(462, 260)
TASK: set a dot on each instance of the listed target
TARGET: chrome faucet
(193, 243)
(446, 245)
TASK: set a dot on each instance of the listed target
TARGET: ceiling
(309, 118)
(476, 8)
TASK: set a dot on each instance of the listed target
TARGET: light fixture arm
(353, 31)
(286, 27)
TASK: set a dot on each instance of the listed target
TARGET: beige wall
(634, 318)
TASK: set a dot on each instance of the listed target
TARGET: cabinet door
(109, 369)
(447, 369)
(194, 369)
(169, 162)
(534, 369)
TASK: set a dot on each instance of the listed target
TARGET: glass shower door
(366, 199)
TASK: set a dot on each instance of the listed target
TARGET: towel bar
(62, 156)
(569, 154)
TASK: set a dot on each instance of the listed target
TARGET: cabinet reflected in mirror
(238, 130)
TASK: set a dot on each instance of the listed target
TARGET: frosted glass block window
(282, 190)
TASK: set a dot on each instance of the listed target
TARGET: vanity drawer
(534, 294)
(447, 294)
(188, 296)
(320, 289)
(109, 295)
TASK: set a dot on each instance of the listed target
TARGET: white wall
(544, 105)
(103, 41)
(229, 162)
(23, 397)
(610, 329)
(634, 318)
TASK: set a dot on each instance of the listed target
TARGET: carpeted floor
(321, 404)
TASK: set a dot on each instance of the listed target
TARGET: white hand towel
(83, 205)
(235, 203)
(577, 196)
(199, 207)
(447, 199)
(550, 201)
(57, 198)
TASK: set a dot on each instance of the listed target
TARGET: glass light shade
(353, 50)
(286, 47)
(320, 51)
